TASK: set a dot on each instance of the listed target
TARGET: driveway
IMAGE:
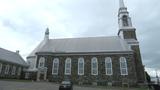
(23, 85)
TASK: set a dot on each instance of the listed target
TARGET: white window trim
(7, 69)
(110, 61)
(70, 62)
(92, 66)
(14, 70)
(1, 65)
(19, 71)
(41, 60)
(54, 61)
(26, 75)
(82, 67)
(123, 58)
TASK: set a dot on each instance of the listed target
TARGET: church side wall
(138, 64)
(100, 79)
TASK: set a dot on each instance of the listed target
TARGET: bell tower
(128, 33)
(126, 30)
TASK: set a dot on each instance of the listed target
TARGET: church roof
(11, 57)
(42, 43)
(82, 45)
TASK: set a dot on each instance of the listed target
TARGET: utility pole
(157, 78)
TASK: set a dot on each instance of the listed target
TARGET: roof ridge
(84, 37)
(7, 50)
(84, 44)
(12, 57)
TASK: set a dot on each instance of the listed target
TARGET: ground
(28, 85)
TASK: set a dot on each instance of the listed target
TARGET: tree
(148, 78)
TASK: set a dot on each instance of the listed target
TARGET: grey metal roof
(88, 44)
(12, 57)
(42, 43)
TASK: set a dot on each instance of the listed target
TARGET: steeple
(121, 4)
(46, 37)
(123, 16)
(125, 23)
(128, 33)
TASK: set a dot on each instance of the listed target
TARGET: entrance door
(41, 77)
(42, 74)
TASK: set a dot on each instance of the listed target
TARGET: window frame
(41, 61)
(7, 69)
(13, 70)
(1, 66)
(68, 61)
(92, 68)
(55, 61)
(80, 60)
(123, 61)
(19, 71)
(108, 60)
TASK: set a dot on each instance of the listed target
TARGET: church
(114, 60)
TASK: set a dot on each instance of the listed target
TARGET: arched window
(108, 65)
(94, 66)
(123, 66)
(7, 69)
(41, 62)
(68, 66)
(125, 20)
(55, 66)
(13, 70)
(1, 67)
(81, 66)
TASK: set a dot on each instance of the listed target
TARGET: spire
(122, 8)
(121, 4)
(47, 31)
(124, 20)
(46, 37)
(123, 16)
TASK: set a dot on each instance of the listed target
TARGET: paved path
(15, 85)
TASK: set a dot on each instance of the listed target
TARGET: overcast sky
(23, 23)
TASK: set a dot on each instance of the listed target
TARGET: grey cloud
(101, 20)
(83, 18)
(30, 27)
(145, 16)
